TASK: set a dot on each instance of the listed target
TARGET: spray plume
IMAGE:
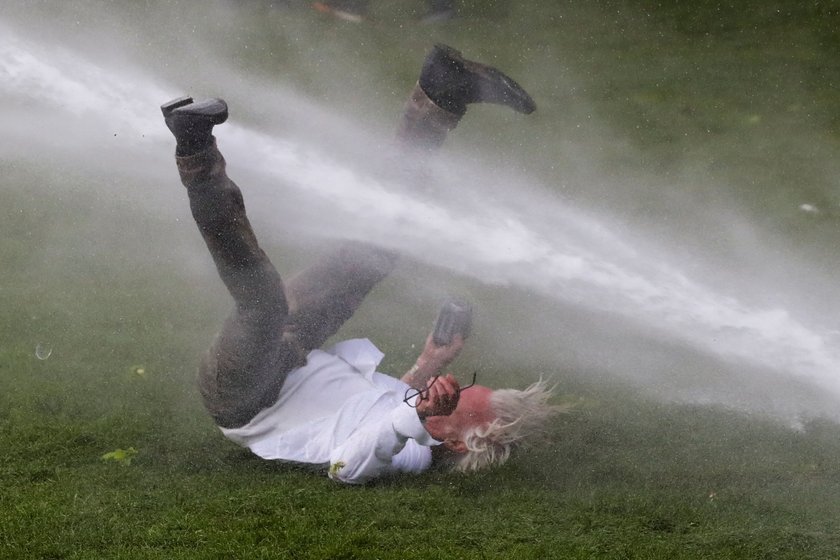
(522, 236)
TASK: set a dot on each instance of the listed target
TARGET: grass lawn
(107, 452)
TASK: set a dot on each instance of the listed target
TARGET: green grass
(623, 476)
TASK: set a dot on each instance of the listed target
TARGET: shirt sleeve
(369, 451)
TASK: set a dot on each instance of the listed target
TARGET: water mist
(607, 289)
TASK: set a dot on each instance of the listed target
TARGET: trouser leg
(244, 369)
(423, 126)
(325, 295)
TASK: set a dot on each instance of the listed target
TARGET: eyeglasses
(411, 394)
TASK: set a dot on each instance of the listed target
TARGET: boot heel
(170, 106)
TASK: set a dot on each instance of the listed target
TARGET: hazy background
(667, 219)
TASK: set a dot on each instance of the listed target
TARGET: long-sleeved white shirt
(337, 410)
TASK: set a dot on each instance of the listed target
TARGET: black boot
(192, 123)
(453, 82)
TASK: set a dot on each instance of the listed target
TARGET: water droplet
(43, 351)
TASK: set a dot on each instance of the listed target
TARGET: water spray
(549, 248)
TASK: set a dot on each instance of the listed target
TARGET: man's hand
(438, 358)
(440, 398)
(433, 360)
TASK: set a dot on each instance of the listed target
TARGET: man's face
(473, 410)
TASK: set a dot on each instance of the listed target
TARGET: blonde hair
(520, 415)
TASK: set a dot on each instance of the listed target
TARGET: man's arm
(369, 452)
(432, 361)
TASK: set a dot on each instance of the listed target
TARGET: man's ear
(455, 445)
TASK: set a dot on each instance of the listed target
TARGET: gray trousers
(274, 325)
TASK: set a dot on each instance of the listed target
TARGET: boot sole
(214, 110)
(497, 87)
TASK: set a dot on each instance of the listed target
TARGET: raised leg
(448, 83)
(244, 369)
(326, 294)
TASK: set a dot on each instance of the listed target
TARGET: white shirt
(338, 410)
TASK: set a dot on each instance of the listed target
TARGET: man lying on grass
(265, 381)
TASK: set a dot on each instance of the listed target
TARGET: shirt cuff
(408, 425)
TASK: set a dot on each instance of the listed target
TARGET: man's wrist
(425, 368)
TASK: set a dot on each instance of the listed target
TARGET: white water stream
(522, 236)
